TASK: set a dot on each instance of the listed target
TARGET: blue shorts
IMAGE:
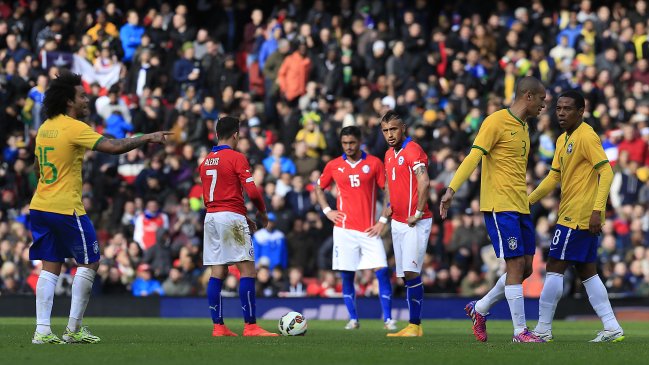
(577, 245)
(512, 233)
(60, 236)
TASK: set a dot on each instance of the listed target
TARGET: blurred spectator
(270, 245)
(145, 285)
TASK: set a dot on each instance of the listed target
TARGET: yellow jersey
(61, 143)
(577, 158)
(504, 139)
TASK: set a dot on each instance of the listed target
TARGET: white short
(226, 239)
(355, 250)
(410, 245)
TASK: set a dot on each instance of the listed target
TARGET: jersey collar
(403, 145)
(363, 156)
(221, 148)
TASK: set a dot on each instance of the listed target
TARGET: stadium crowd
(295, 72)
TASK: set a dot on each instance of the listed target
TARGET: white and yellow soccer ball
(292, 324)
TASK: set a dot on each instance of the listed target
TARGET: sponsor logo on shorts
(95, 247)
(251, 252)
(513, 243)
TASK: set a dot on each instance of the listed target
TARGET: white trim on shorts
(83, 239)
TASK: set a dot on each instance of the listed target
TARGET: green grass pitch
(188, 341)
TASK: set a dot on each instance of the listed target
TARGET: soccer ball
(292, 324)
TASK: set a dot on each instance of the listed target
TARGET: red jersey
(356, 183)
(402, 182)
(224, 175)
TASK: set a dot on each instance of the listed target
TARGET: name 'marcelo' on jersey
(61, 143)
(356, 183)
(402, 182)
(225, 173)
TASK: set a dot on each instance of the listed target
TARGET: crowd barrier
(313, 308)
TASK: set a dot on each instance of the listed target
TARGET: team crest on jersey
(95, 247)
(366, 169)
(569, 149)
(401, 160)
(513, 243)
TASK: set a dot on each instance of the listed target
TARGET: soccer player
(581, 167)
(406, 171)
(59, 224)
(502, 144)
(225, 173)
(357, 245)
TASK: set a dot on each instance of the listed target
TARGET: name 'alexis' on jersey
(357, 189)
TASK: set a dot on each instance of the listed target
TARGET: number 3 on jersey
(213, 174)
(355, 180)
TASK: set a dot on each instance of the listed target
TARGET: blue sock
(214, 300)
(385, 292)
(247, 296)
(415, 293)
(349, 293)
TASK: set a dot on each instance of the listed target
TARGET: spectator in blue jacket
(270, 245)
(131, 35)
(145, 285)
(277, 163)
(117, 126)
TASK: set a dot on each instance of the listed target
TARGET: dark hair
(226, 127)
(61, 90)
(352, 130)
(389, 116)
(576, 96)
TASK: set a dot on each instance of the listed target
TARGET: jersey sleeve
(326, 178)
(242, 169)
(417, 158)
(556, 164)
(85, 136)
(594, 152)
(380, 174)
(488, 135)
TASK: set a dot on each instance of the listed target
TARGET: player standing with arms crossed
(406, 171)
(581, 167)
(357, 244)
(59, 224)
(225, 173)
(502, 144)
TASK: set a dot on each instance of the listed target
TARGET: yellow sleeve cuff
(466, 167)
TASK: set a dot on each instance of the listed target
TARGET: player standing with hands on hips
(581, 167)
(225, 174)
(406, 166)
(59, 224)
(357, 241)
(503, 144)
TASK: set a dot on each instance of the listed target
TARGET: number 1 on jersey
(213, 174)
(394, 173)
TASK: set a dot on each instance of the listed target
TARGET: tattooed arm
(423, 184)
(122, 145)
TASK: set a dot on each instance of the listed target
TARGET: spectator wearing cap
(294, 73)
(131, 35)
(270, 245)
(187, 70)
(145, 284)
(311, 134)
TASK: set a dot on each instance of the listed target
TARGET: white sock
(514, 295)
(550, 296)
(44, 300)
(81, 288)
(598, 297)
(496, 294)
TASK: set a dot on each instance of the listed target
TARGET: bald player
(502, 144)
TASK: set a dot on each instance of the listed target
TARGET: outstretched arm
(545, 187)
(123, 145)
